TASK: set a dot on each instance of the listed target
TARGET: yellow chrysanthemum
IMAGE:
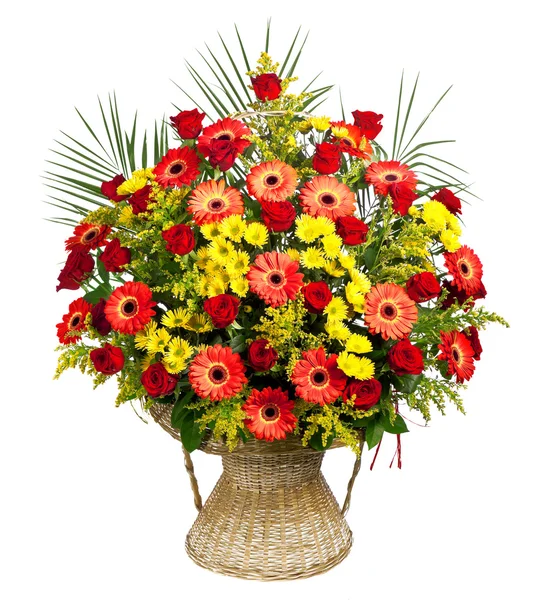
(126, 216)
(233, 227)
(320, 123)
(238, 264)
(452, 223)
(215, 287)
(293, 253)
(324, 226)
(178, 352)
(450, 241)
(360, 304)
(240, 286)
(212, 268)
(347, 261)
(306, 229)
(361, 280)
(332, 245)
(435, 215)
(304, 126)
(147, 173)
(157, 341)
(340, 132)
(337, 331)
(142, 337)
(132, 185)
(220, 250)
(414, 211)
(256, 234)
(210, 231)
(146, 361)
(175, 318)
(199, 323)
(333, 268)
(312, 258)
(360, 344)
(202, 257)
(354, 366)
(336, 309)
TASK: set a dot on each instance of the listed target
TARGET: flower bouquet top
(273, 272)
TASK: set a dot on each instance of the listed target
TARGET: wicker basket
(271, 515)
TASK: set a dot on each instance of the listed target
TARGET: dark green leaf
(179, 409)
(102, 291)
(102, 271)
(315, 441)
(370, 255)
(398, 426)
(406, 384)
(190, 432)
(374, 432)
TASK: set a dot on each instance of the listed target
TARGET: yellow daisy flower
(435, 215)
(359, 344)
(132, 185)
(306, 230)
(293, 253)
(361, 280)
(210, 231)
(332, 245)
(158, 340)
(199, 323)
(450, 241)
(337, 331)
(178, 352)
(202, 257)
(238, 264)
(256, 234)
(175, 318)
(233, 227)
(220, 250)
(347, 261)
(333, 268)
(312, 258)
(336, 309)
(240, 286)
(320, 123)
(142, 337)
(354, 366)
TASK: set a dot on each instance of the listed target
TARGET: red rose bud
(79, 265)
(369, 123)
(449, 199)
(261, 356)
(405, 359)
(158, 381)
(140, 199)
(367, 393)
(222, 309)
(115, 257)
(107, 360)
(278, 216)
(108, 188)
(455, 294)
(99, 320)
(180, 239)
(402, 198)
(327, 158)
(266, 86)
(423, 287)
(474, 339)
(188, 123)
(317, 296)
(351, 230)
(222, 154)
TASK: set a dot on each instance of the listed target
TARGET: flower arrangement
(272, 272)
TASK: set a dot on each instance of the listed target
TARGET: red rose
(158, 381)
(107, 360)
(455, 294)
(266, 86)
(405, 359)
(139, 200)
(327, 158)
(423, 287)
(278, 216)
(115, 256)
(79, 265)
(222, 154)
(99, 320)
(317, 296)
(261, 356)
(108, 188)
(179, 238)
(367, 392)
(352, 231)
(222, 309)
(474, 339)
(402, 198)
(449, 199)
(188, 123)
(369, 123)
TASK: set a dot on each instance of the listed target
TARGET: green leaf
(179, 409)
(406, 384)
(102, 271)
(404, 127)
(374, 433)
(398, 426)
(267, 43)
(282, 70)
(190, 432)
(363, 422)
(102, 291)
(238, 343)
(370, 255)
(315, 441)
(396, 127)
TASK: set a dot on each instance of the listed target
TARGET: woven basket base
(270, 518)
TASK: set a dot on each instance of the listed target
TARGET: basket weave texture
(271, 515)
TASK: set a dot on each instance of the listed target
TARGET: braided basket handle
(356, 469)
(192, 479)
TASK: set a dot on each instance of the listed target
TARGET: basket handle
(356, 469)
(192, 479)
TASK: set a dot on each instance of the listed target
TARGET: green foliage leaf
(315, 441)
(406, 384)
(190, 432)
(370, 255)
(374, 432)
(102, 291)
(179, 410)
(398, 426)
(238, 343)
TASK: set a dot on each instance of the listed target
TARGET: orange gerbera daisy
(466, 268)
(180, 166)
(325, 196)
(217, 373)
(73, 321)
(211, 201)
(351, 139)
(269, 414)
(272, 181)
(228, 129)
(384, 173)
(274, 278)
(129, 307)
(88, 237)
(389, 311)
(318, 379)
(457, 350)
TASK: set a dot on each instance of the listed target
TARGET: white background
(95, 504)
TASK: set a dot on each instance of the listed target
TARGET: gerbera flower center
(75, 320)
(217, 374)
(129, 308)
(216, 204)
(271, 180)
(391, 177)
(389, 311)
(347, 142)
(455, 355)
(276, 278)
(319, 377)
(225, 136)
(270, 413)
(177, 168)
(464, 268)
(89, 236)
(328, 199)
